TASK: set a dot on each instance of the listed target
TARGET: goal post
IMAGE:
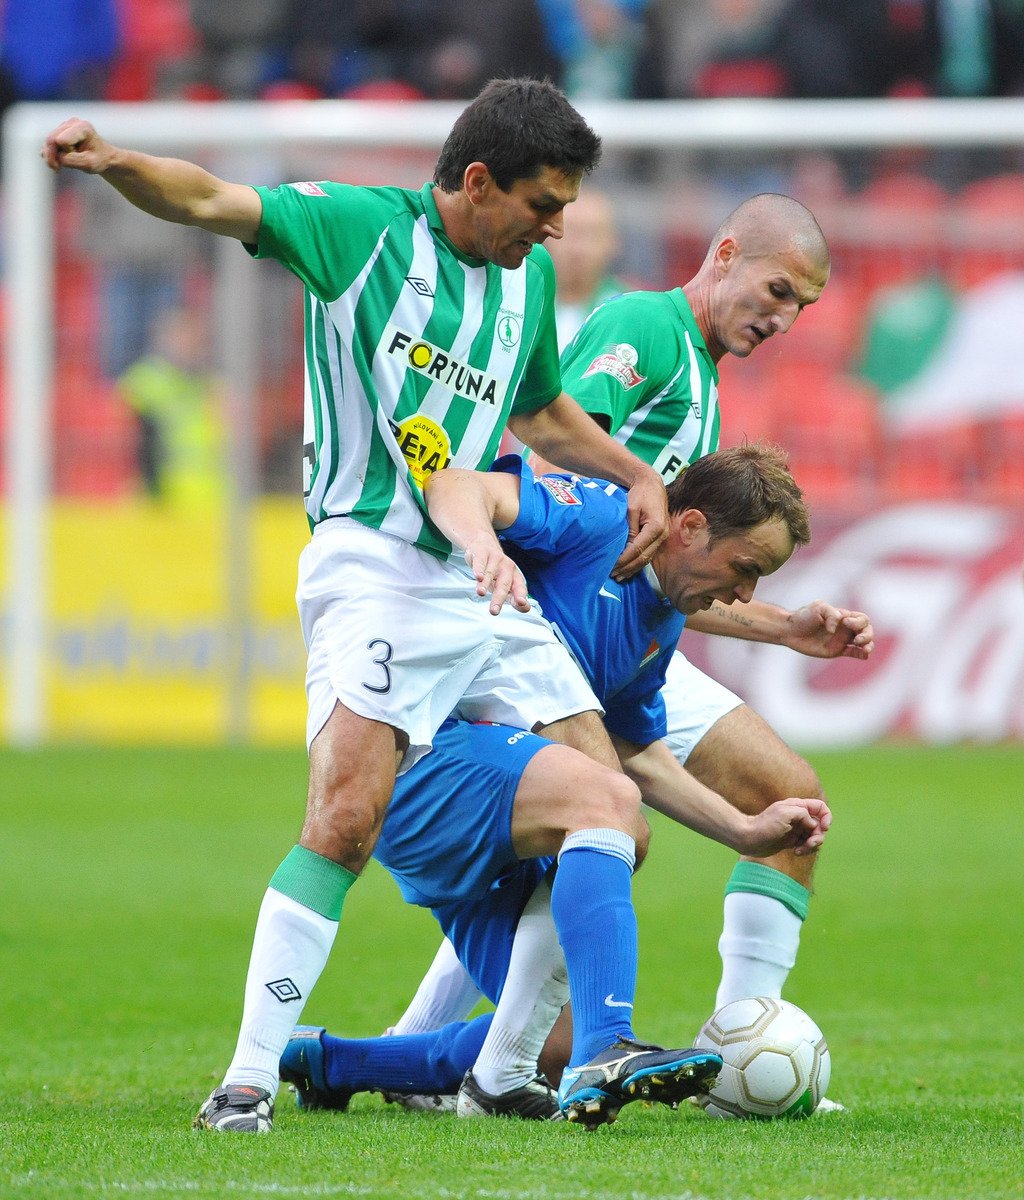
(227, 129)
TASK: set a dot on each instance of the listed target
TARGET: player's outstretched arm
(169, 188)
(561, 432)
(665, 785)
(818, 629)
(467, 507)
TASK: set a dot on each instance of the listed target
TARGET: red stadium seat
(740, 77)
(903, 213)
(933, 465)
(990, 223)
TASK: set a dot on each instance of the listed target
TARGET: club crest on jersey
(620, 363)
(424, 445)
(308, 189)
(650, 653)
(441, 367)
(510, 329)
(560, 489)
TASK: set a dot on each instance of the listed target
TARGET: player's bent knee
(562, 791)
(616, 805)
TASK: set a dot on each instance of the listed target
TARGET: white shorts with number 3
(401, 637)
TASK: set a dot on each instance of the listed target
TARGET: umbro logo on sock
(284, 990)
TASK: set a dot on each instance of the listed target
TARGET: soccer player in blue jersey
(645, 365)
(736, 517)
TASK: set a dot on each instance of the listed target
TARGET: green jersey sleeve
(640, 361)
(625, 353)
(326, 232)
(542, 378)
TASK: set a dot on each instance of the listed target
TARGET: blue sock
(427, 1063)
(593, 911)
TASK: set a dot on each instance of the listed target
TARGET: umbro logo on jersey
(419, 286)
(441, 367)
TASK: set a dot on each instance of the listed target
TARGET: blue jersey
(567, 537)
(446, 837)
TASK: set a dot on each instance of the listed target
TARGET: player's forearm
(460, 505)
(569, 439)
(755, 621)
(670, 789)
(184, 193)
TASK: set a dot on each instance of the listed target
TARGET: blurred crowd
(445, 49)
(911, 367)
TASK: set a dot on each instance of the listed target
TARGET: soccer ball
(776, 1061)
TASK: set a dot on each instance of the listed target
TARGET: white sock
(759, 941)
(446, 994)
(289, 952)
(535, 991)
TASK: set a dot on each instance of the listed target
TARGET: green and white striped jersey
(415, 353)
(641, 361)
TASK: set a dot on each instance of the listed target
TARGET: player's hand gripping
(823, 631)
(647, 511)
(793, 824)
(496, 574)
(75, 143)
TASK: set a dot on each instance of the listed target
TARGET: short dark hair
(741, 487)
(517, 127)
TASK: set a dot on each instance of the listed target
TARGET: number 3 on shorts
(383, 658)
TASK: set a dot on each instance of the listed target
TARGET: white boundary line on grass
(216, 1188)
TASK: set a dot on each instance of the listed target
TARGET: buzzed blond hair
(765, 222)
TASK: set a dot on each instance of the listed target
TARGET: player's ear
(691, 523)
(726, 253)
(477, 181)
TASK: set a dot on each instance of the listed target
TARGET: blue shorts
(447, 842)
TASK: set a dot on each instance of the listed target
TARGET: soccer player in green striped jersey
(429, 326)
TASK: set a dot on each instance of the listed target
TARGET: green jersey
(641, 361)
(415, 353)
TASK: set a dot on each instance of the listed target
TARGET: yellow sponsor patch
(424, 444)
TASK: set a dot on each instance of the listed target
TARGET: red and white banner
(943, 585)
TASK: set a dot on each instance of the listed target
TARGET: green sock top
(766, 881)
(313, 881)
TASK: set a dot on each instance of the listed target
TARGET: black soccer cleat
(594, 1093)
(534, 1101)
(237, 1108)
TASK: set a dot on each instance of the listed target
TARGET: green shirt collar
(682, 306)
(437, 227)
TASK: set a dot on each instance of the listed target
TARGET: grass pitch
(129, 886)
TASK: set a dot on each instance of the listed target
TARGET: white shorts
(694, 702)
(401, 637)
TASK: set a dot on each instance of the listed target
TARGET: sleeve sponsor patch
(308, 189)
(620, 363)
(561, 489)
